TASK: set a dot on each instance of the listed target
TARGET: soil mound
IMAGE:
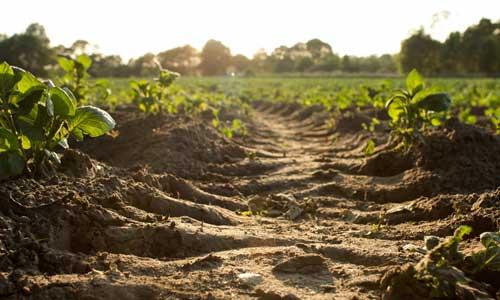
(178, 145)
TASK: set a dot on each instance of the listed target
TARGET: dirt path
(325, 222)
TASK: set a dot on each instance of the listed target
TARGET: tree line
(476, 51)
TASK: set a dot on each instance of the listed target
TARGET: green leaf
(414, 82)
(64, 105)
(395, 110)
(436, 121)
(92, 121)
(435, 102)
(66, 63)
(369, 147)
(28, 100)
(84, 60)
(28, 81)
(7, 79)
(25, 142)
(462, 231)
(11, 164)
(8, 140)
(490, 238)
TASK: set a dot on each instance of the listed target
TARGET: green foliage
(76, 74)
(412, 108)
(76, 79)
(446, 272)
(36, 118)
(153, 97)
(236, 126)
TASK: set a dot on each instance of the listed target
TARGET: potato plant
(236, 126)
(76, 79)
(153, 97)
(415, 107)
(37, 118)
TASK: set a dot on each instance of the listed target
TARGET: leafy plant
(413, 108)
(76, 74)
(153, 97)
(76, 79)
(236, 126)
(36, 118)
(447, 273)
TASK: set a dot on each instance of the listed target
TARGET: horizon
(259, 25)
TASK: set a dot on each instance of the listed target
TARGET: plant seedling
(413, 108)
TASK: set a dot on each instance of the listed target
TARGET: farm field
(264, 188)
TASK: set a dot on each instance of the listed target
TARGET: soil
(167, 208)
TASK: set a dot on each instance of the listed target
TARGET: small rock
(431, 241)
(304, 264)
(294, 211)
(414, 248)
(250, 279)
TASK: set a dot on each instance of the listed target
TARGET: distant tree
(183, 60)
(304, 64)
(240, 63)
(388, 64)
(215, 58)
(261, 62)
(29, 50)
(143, 66)
(107, 66)
(318, 49)
(420, 52)
(347, 65)
(451, 56)
(481, 47)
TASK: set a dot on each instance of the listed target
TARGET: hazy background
(131, 28)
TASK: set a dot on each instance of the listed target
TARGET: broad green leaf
(66, 64)
(8, 140)
(414, 82)
(78, 134)
(395, 110)
(7, 79)
(27, 82)
(84, 60)
(435, 102)
(92, 121)
(28, 100)
(64, 105)
(11, 164)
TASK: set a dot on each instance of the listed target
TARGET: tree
(318, 49)
(215, 58)
(107, 66)
(420, 52)
(481, 48)
(183, 60)
(29, 50)
(144, 65)
(451, 54)
(240, 63)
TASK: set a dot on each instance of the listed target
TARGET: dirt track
(336, 221)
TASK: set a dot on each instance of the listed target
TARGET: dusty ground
(169, 209)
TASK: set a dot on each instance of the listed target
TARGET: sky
(131, 28)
